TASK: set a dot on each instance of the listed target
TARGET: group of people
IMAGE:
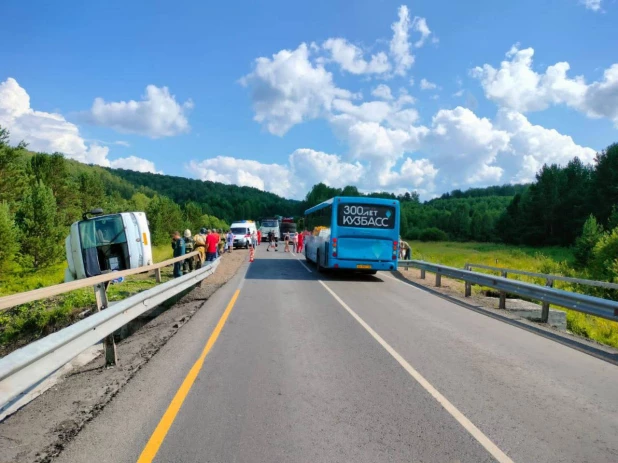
(295, 240)
(209, 243)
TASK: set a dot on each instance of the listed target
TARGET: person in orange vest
(259, 233)
(199, 242)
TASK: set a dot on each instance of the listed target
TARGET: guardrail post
(468, 285)
(438, 279)
(545, 306)
(422, 274)
(502, 304)
(100, 292)
(158, 275)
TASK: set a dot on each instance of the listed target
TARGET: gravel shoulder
(39, 431)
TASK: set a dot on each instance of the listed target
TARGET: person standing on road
(221, 245)
(211, 245)
(259, 234)
(199, 244)
(230, 241)
(404, 250)
(188, 264)
(295, 242)
(272, 243)
(299, 242)
(286, 241)
(178, 245)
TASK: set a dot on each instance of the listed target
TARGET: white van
(242, 231)
(105, 243)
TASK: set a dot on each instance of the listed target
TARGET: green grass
(550, 260)
(27, 322)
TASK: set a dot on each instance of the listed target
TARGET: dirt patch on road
(39, 431)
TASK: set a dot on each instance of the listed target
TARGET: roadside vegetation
(551, 260)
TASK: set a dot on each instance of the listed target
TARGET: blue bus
(353, 233)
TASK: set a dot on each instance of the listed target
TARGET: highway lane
(537, 399)
(295, 377)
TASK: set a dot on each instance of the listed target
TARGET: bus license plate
(363, 266)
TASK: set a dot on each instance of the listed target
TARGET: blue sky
(426, 96)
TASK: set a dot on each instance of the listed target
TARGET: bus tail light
(334, 254)
(334, 247)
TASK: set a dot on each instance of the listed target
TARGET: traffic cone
(251, 254)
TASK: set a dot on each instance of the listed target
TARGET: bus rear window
(366, 216)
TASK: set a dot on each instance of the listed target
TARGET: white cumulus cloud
(382, 91)
(531, 146)
(288, 89)
(135, 163)
(351, 59)
(420, 25)
(244, 172)
(426, 85)
(517, 86)
(400, 43)
(45, 132)
(307, 167)
(50, 132)
(594, 5)
(465, 147)
(156, 115)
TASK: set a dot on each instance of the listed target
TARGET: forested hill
(229, 202)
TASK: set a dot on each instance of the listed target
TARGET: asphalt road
(312, 368)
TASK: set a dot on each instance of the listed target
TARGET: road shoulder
(41, 430)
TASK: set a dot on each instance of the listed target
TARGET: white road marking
(399, 281)
(306, 268)
(492, 448)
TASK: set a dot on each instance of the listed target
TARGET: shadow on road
(293, 269)
(277, 269)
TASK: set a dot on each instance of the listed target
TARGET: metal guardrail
(547, 277)
(579, 302)
(25, 367)
(13, 300)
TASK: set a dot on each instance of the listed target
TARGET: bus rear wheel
(318, 264)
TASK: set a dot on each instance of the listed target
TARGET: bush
(413, 234)
(584, 245)
(433, 234)
(604, 260)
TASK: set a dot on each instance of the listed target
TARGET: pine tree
(9, 245)
(605, 181)
(585, 244)
(41, 235)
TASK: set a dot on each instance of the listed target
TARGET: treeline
(230, 202)
(553, 210)
(42, 194)
(458, 215)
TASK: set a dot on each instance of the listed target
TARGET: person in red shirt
(299, 244)
(259, 237)
(212, 241)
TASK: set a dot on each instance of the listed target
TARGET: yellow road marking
(155, 441)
